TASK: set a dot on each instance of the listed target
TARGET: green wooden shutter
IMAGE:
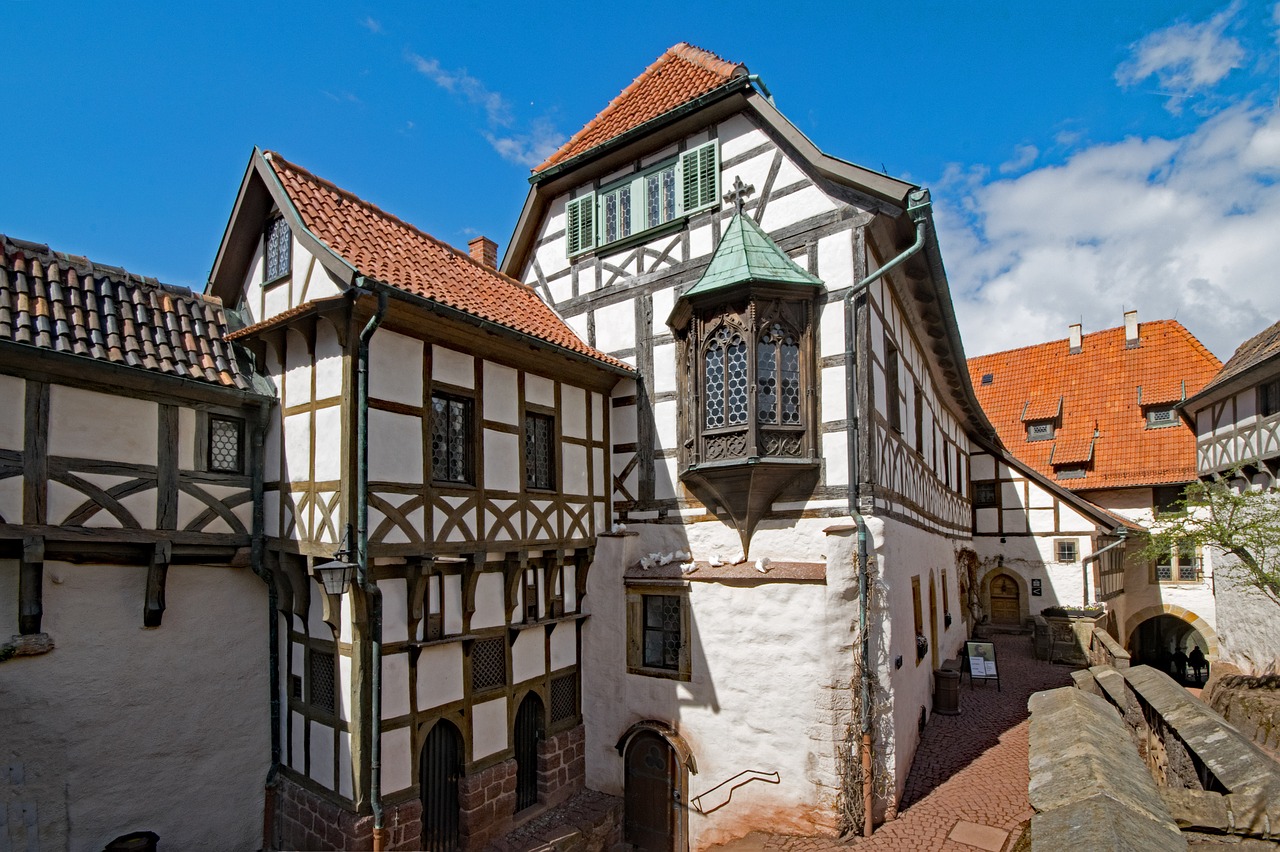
(580, 229)
(699, 177)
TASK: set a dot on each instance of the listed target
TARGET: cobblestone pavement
(968, 784)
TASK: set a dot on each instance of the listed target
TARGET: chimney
(1130, 329)
(1075, 338)
(484, 251)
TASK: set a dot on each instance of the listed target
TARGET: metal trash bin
(946, 692)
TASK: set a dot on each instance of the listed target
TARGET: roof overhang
(1246, 378)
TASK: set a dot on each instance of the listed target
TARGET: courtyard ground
(968, 783)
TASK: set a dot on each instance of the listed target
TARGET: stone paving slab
(970, 768)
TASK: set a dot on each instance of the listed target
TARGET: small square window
(451, 439)
(488, 664)
(1168, 499)
(279, 250)
(1269, 397)
(658, 630)
(984, 494)
(226, 444)
(1040, 431)
(1066, 550)
(1158, 418)
(564, 697)
(539, 451)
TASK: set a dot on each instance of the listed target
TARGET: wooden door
(651, 796)
(438, 773)
(1005, 604)
(528, 733)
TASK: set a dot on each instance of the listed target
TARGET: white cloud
(1186, 58)
(372, 24)
(1023, 156)
(1183, 227)
(527, 147)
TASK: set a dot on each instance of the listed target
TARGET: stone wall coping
(1112, 682)
(1089, 785)
(1234, 759)
(1109, 642)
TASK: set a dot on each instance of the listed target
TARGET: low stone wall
(305, 819)
(1104, 650)
(562, 766)
(488, 800)
(1250, 703)
(1089, 787)
(588, 821)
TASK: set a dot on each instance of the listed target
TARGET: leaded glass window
(778, 377)
(279, 249)
(662, 632)
(660, 197)
(450, 438)
(539, 455)
(226, 439)
(726, 380)
(617, 214)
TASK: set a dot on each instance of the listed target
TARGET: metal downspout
(259, 563)
(368, 586)
(917, 201)
(1094, 557)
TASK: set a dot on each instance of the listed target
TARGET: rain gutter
(918, 204)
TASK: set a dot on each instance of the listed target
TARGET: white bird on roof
(647, 562)
(715, 561)
(688, 567)
(762, 564)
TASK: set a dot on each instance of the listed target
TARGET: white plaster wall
(502, 468)
(452, 604)
(12, 413)
(395, 447)
(616, 326)
(1133, 504)
(564, 638)
(573, 406)
(539, 390)
(395, 685)
(488, 728)
(489, 606)
(501, 401)
(321, 760)
(1247, 622)
(395, 368)
(297, 446)
(733, 719)
(439, 678)
(328, 362)
(397, 759)
(186, 439)
(84, 424)
(329, 441)
(113, 732)
(456, 368)
(528, 655)
(573, 462)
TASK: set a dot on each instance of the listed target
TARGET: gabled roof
(1102, 423)
(65, 303)
(1262, 347)
(681, 74)
(386, 249)
(746, 253)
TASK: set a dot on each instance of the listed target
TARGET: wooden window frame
(267, 278)
(892, 389)
(1059, 543)
(636, 596)
(1269, 397)
(239, 424)
(468, 444)
(994, 502)
(1179, 557)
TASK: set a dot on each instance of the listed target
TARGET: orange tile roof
(679, 75)
(394, 252)
(1099, 390)
(1042, 407)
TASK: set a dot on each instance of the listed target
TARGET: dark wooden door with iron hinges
(651, 796)
(528, 733)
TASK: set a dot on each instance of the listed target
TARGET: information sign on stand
(981, 658)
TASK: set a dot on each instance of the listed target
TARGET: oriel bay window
(749, 410)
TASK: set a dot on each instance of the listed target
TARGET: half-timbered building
(129, 454)
(800, 391)
(443, 430)
(1236, 418)
(1095, 415)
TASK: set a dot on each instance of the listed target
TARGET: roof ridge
(704, 58)
(1086, 336)
(274, 156)
(83, 266)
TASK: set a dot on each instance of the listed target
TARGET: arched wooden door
(651, 795)
(438, 774)
(1006, 606)
(528, 733)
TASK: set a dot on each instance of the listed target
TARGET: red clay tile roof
(394, 252)
(1261, 347)
(676, 77)
(1099, 390)
(64, 303)
(1042, 407)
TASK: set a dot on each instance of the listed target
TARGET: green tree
(1238, 520)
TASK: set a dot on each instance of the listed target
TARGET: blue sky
(1084, 158)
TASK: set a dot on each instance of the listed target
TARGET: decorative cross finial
(738, 195)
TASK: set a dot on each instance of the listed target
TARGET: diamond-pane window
(488, 664)
(662, 631)
(778, 377)
(564, 697)
(715, 385)
(450, 438)
(539, 455)
(322, 680)
(725, 362)
(226, 439)
(279, 250)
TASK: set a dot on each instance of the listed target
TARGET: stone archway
(1197, 623)
(1023, 591)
